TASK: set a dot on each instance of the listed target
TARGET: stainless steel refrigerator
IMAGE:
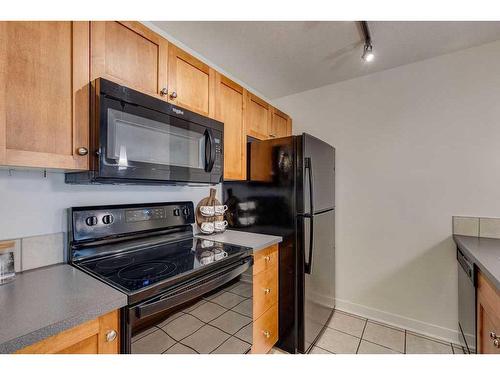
(290, 192)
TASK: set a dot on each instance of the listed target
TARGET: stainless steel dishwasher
(466, 302)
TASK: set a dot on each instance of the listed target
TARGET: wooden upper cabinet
(281, 124)
(191, 82)
(44, 94)
(258, 117)
(130, 54)
(230, 109)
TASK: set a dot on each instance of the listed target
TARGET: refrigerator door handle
(308, 265)
(308, 166)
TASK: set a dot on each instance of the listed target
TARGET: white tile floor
(223, 327)
(219, 323)
(350, 334)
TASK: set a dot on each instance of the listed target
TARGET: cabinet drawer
(266, 259)
(265, 331)
(265, 291)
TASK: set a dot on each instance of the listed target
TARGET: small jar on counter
(7, 271)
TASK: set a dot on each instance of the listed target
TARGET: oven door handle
(209, 145)
(192, 290)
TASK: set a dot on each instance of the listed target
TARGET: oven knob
(176, 212)
(185, 211)
(108, 219)
(91, 221)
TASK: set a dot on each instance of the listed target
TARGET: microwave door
(138, 143)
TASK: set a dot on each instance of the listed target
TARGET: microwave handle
(210, 147)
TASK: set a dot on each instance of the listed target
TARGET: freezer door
(318, 172)
(318, 265)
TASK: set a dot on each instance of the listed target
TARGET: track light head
(368, 55)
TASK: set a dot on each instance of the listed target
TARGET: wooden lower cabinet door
(98, 336)
(44, 94)
(266, 259)
(265, 291)
(230, 104)
(488, 317)
(265, 331)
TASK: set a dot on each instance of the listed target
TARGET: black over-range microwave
(139, 139)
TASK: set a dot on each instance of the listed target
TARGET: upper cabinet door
(281, 124)
(258, 117)
(230, 109)
(130, 54)
(191, 82)
(44, 95)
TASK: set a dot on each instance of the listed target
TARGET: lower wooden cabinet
(98, 336)
(488, 317)
(265, 331)
(265, 300)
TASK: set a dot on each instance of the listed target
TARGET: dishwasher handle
(467, 266)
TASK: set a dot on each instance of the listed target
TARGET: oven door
(211, 314)
(138, 143)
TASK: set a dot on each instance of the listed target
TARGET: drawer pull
(266, 334)
(267, 291)
(111, 336)
(267, 258)
(496, 343)
(493, 336)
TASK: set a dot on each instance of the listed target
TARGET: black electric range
(148, 252)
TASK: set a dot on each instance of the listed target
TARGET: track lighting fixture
(367, 55)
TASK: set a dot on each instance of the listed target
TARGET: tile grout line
(383, 346)
(404, 349)
(361, 338)
(429, 338)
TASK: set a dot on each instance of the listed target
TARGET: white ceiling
(283, 58)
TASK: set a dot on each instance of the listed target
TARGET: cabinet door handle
(82, 151)
(164, 91)
(267, 258)
(496, 343)
(266, 334)
(111, 335)
(173, 95)
(267, 291)
(493, 335)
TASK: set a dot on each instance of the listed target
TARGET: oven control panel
(94, 223)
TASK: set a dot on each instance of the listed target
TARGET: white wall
(415, 145)
(33, 205)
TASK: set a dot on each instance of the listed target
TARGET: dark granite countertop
(43, 302)
(484, 253)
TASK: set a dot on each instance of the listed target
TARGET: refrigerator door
(317, 254)
(318, 171)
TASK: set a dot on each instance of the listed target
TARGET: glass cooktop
(134, 270)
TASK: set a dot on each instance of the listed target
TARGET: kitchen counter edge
(255, 241)
(80, 312)
(484, 253)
